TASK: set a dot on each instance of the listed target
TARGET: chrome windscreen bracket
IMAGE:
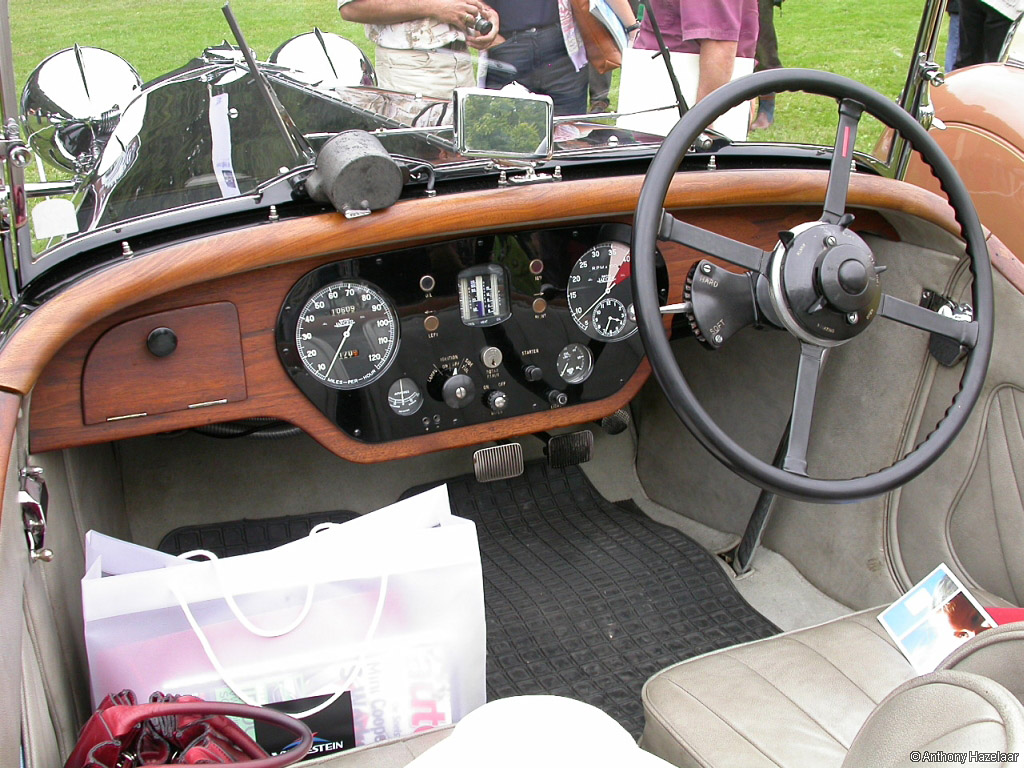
(34, 500)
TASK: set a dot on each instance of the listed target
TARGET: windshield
(156, 110)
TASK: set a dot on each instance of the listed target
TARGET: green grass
(867, 40)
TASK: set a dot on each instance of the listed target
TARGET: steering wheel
(820, 283)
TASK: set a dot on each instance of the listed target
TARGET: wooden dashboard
(82, 354)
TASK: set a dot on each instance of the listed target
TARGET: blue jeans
(953, 43)
(537, 59)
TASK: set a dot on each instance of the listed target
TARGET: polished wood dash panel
(123, 378)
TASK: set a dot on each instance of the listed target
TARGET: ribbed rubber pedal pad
(571, 449)
(499, 462)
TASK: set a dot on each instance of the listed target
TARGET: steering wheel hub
(825, 283)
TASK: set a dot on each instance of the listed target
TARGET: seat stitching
(883, 637)
(792, 701)
(835, 666)
(704, 704)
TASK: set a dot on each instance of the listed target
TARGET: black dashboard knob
(162, 341)
(458, 391)
(497, 400)
(533, 373)
(557, 399)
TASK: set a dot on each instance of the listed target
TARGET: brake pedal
(571, 449)
(499, 462)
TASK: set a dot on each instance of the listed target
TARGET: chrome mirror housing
(323, 58)
(71, 104)
(511, 123)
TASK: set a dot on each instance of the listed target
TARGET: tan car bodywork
(980, 125)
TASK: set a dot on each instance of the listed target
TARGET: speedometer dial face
(599, 293)
(347, 334)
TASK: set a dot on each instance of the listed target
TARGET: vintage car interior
(501, 335)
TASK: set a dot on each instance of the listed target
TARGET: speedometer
(347, 334)
(599, 294)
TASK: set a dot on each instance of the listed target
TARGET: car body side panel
(983, 116)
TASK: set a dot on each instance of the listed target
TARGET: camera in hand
(481, 25)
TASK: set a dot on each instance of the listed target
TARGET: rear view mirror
(500, 124)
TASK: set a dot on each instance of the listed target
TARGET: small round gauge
(610, 318)
(575, 363)
(347, 334)
(599, 292)
(405, 397)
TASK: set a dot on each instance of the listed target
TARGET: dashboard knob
(496, 401)
(458, 391)
(161, 341)
(557, 399)
(533, 373)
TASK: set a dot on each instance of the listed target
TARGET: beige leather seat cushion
(797, 699)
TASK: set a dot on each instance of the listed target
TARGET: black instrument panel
(464, 332)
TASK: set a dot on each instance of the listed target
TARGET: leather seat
(806, 698)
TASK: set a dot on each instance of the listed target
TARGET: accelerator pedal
(499, 462)
(570, 449)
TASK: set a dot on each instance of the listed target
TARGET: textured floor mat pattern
(588, 599)
(241, 537)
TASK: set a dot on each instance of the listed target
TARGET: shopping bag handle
(120, 719)
(237, 611)
(211, 655)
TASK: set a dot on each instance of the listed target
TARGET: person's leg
(512, 60)
(953, 41)
(767, 55)
(427, 73)
(599, 86)
(717, 58)
(972, 28)
(554, 73)
(996, 28)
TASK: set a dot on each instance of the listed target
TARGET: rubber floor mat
(583, 598)
(241, 537)
(588, 599)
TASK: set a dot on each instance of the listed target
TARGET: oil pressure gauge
(575, 363)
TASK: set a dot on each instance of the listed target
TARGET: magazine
(603, 13)
(934, 618)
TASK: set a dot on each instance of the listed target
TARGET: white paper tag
(53, 218)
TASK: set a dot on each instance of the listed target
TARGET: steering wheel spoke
(839, 172)
(712, 244)
(812, 358)
(904, 312)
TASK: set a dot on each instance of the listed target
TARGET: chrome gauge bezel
(365, 326)
(602, 277)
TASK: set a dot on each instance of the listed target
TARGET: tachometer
(347, 334)
(599, 293)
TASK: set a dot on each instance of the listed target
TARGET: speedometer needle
(615, 260)
(348, 330)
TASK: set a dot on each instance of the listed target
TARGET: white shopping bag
(380, 618)
(645, 84)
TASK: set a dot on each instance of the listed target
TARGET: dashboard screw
(830, 241)
(718, 339)
(853, 318)
(705, 268)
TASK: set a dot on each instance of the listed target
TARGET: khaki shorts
(427, 73)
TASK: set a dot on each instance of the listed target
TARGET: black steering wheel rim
(647, 224)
